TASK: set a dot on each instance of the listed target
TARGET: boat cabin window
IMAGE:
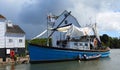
(76, 44)
(80, 44)
(92, 40)
(87, 39)
(86, 44)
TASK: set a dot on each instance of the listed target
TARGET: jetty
(19, 60)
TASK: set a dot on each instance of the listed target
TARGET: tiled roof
(2, 17)
(14, 29)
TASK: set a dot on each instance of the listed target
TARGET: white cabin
(79, 45)
(12, 37)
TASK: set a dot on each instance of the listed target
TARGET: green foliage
(41, 41)
(115, 43)
(109, 41)
(105, 39)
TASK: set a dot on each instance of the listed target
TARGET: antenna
(90, 19)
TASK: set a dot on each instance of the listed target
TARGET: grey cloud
(31, 14)
(36, 13)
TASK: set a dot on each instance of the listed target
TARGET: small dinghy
(92, 57)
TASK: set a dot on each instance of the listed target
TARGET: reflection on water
(110, 63)
(10, 67)
(15, 67)
(71, 65)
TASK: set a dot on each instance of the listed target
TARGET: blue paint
(49, 54)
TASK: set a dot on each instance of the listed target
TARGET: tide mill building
(12, 37)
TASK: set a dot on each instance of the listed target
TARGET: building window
(10, 40)
(20, 40)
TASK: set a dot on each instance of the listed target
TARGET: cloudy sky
(30, 15)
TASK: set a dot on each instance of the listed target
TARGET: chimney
(9, 23)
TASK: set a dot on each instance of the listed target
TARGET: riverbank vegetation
(112, 42)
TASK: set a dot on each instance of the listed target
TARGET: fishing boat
(69, 42)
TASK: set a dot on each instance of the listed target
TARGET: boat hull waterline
(47, 54)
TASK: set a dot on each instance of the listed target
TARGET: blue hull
(43, 54)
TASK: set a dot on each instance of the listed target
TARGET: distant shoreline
(114, 48)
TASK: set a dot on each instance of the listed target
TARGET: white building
(12, 37)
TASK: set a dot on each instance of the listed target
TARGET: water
(110, 63)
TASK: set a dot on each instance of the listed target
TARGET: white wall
(2, 33)
(15, 41)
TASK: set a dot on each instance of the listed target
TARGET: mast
(96, 32)
(97, 35)
(47, 31)
(50, 24)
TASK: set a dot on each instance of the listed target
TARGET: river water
(110, 63)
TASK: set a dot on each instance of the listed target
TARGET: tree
(112, 42)
(105, 39)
